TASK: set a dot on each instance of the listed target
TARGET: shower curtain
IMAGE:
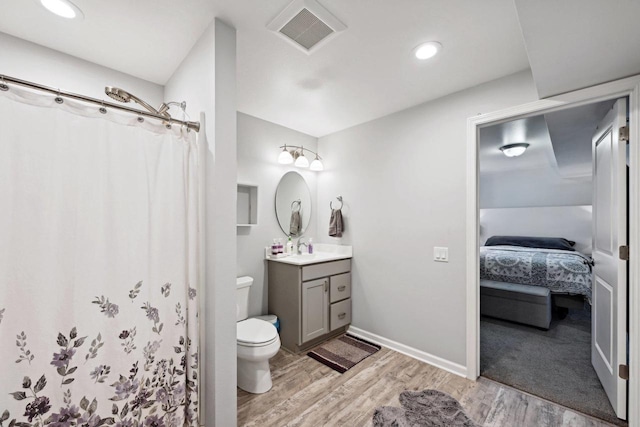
(98, 267)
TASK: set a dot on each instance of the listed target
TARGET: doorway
(627, 87)
(537, 280)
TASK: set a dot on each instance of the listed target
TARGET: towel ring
(293, 204)
(340, 200)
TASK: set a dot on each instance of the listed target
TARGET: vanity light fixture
(427, 50)
(285, 157)
(514, 150)
(302, 161)
(295, 154)
(316, 165)
(62, 8)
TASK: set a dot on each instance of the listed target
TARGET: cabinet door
(315, 309)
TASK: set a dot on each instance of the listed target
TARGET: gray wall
(206, 80)
(403, 179)
(258, 142)
(529, 188)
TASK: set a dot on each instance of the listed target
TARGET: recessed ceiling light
(427, 50)
(63, 8)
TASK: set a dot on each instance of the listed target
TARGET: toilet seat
(256, 333)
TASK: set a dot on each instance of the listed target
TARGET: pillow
(532, 242)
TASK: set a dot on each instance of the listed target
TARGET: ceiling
(571, 132)
(560, 141)
(573, 44)
(367, 71)
(532, 130)
(145, 38)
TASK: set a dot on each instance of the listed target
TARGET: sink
(322, 253)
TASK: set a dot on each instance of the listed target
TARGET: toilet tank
(243, 284)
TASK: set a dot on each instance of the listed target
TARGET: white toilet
(258, 341)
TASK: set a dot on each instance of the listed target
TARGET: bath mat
(428, 408)
(343, 353)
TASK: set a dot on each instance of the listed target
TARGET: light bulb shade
(514, 150)
(316, 165)
(302, 161)
(285, 157)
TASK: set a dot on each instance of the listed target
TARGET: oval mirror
(293, 204)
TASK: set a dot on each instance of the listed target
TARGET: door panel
(315, 307)
(602, 334)
(609, 285)
(604, 191)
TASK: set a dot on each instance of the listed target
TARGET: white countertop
(322, 252)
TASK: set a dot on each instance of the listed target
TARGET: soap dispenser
(310, 246)
(290, 246)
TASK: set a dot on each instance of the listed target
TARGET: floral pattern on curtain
(98, 268)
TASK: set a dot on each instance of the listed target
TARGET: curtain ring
(3, 85)
(102, 109)
(58, 98)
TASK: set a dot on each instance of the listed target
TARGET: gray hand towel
(296, 223)
(335, 223)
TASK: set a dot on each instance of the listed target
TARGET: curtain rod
(7, 79)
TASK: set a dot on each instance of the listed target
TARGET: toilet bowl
(257, 342)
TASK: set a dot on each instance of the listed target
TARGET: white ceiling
(532, 130)
(366, 72)
(145, 38)
(571, 132)
(369, 70)
(560, 141)
(573, 44)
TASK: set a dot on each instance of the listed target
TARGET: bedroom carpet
(553, 364)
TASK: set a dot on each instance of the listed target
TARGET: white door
(315, 309)
(609, 310)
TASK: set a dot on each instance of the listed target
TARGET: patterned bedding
(561, 271)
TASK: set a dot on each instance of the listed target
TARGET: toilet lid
(256, 331)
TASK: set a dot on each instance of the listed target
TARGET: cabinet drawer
(340, 314)
(325, 269)
(340, 287)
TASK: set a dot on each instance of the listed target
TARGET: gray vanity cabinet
(312, 302)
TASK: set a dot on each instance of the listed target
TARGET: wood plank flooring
(307, 393)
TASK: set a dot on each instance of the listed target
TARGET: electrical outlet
(440, 254)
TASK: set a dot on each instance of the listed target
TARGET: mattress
(563, 272)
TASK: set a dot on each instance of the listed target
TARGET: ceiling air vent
(306, 25)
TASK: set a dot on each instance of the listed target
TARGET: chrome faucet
(300, 242)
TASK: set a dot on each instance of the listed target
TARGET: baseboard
(420, 355)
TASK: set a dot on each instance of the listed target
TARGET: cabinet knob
(341, 315)
(342, 288)
(326, 285)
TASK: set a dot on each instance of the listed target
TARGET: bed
(565, 272)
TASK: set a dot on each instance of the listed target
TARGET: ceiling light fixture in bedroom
(514, 150)
(290, 153)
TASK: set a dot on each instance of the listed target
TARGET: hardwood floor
(307, 393)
